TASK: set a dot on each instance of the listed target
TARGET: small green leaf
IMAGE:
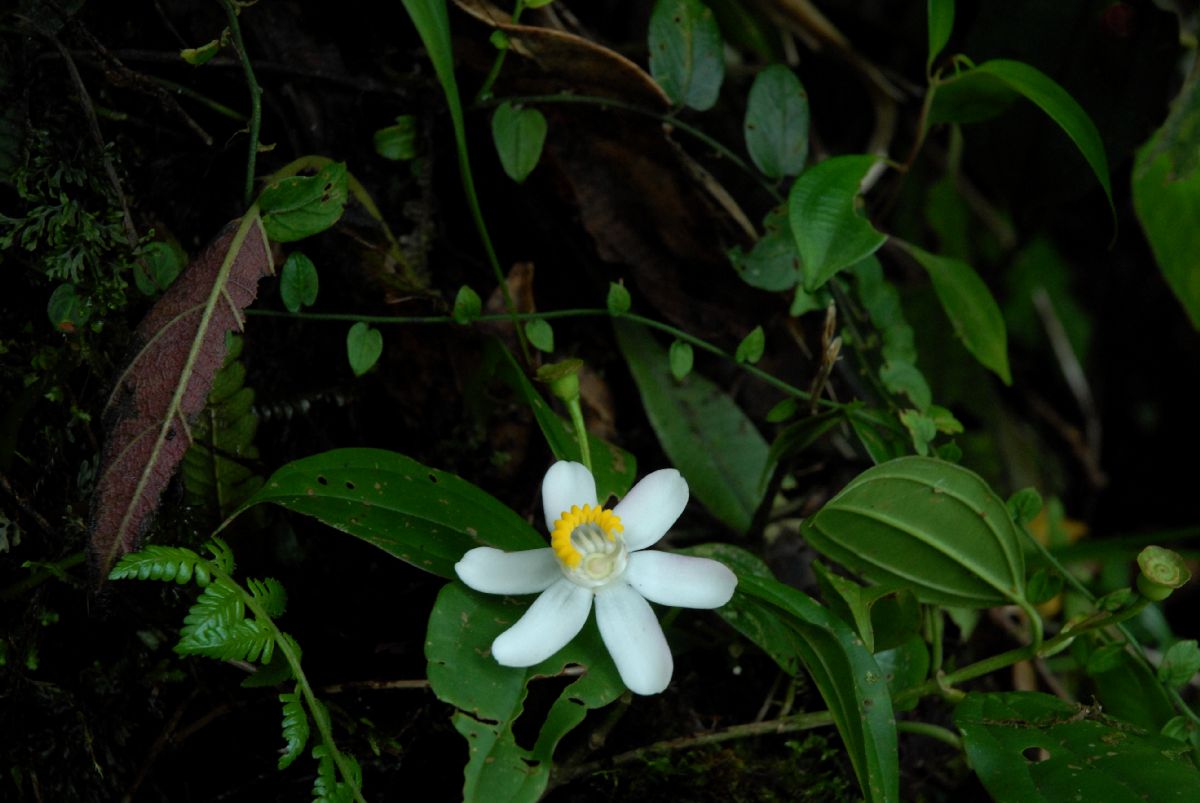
(703, 432)
(941, 25)
(1024, 505)
(985, 91)
(926, 523)
(618, 300)
(944, 420)
(364, 345)
(1043, 586)
(920, 428)
(776, 125)
(301, 206)
(972, 310)
(196, 56)
(66, 310)
(295, 727)
(1161, 203)
(1181, 662)
(804, 302)
(298, 283)
(773, 263)
(397, 142)
(681, 359)
(157, 266)
(687, 56)
(751, 348)
(899, 377)
(783, 411)
(518, 135)
(540, 334)
(830, 231)
(467, 305)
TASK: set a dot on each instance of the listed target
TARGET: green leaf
(985, 91)
(613, 468)
(776, 125)
(941, 25)
(618, 300)
(932, 525)
(904, 666)
(540, 334)
(773, 263)
(798, 436)
(704, 433)
(972, 310)
(879, 433)
(1029, 747)
(1127, 688)
(66, 310)
(830, 231)
(298, 282)
(681, 358)
(490, 698)
(1043, 586)
(1180, 664)
(270, 594)
(1024, 505)
(158, 562)
(301, 206)
(196, 56)
(783, 411)
(687, 56)
(467, 305)
(751, 348)
(423, 516)
(157, 266)
(518, 135)
(364, 345)
(216, 627)
(295, 728)
(1161, 203)
(899, 376)
(920, 428)
(397, 142)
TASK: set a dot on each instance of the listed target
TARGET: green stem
(485, 91)
(671, 120)
(585, 448)
(932, 731)
(255, 97)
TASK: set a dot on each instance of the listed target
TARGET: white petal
(654, 504)
(634, 639)
(680, 580)
(493, 571)
(552, 620)
(566, 484)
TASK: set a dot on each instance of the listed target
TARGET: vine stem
(235, 30)
(584, 312)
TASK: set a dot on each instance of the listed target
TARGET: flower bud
(1163, 571)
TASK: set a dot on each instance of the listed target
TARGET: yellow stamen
(568, 520)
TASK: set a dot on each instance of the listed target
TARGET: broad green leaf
(397, 142)
(1162, 205)
(823, 208)
(613, 468)
(298, 283)
(904, 666)
(1180, 664)
(518, 135)
(540, 334)
(1127, 688)
(490, 697)
(467, 305)
(705, 434)
(364, 345)
(157, 266)
(776, 125)
(932, 525)
(423, 516)
(1029, 747)
(941, 25)
(972, 310)
(687, 56)
(681, 358)
(300, 206)
(773, 263)
(985, 91)
(618, 300)
(1179, 137)
(751, 348)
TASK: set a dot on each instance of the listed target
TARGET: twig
(255, 97)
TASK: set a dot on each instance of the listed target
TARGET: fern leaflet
(270, 594)
(295, 727)
(163, 563)
(222, 555)
(217, 627)
(326, 787)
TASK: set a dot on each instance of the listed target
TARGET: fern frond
(222, 555)
(295, 727)
(326, 787)
(270, 593)
(216, 627)
(157, 562)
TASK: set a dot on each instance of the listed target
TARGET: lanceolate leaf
(426, 517)
(941, 25)
(157, 397)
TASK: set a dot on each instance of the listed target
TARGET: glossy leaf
(423, 516)
(776, 124)
(1028, 747)
(364, 345)
(300, 206)
(298, 282)
(687, 56)
(705, 434)
(972, 310)
(932, 525)
(941, 25)
(490, 698)
(985, 91)
(1161, 204)
(518, 134)
(830, 230)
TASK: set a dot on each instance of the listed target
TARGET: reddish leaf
(181, 345)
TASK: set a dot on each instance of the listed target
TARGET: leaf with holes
(157, 397)
(300, 206)
(426, 517)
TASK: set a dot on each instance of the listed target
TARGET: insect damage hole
(1035, 755)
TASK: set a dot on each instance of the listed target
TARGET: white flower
(599, 554)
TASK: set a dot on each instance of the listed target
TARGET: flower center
(589, 548)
